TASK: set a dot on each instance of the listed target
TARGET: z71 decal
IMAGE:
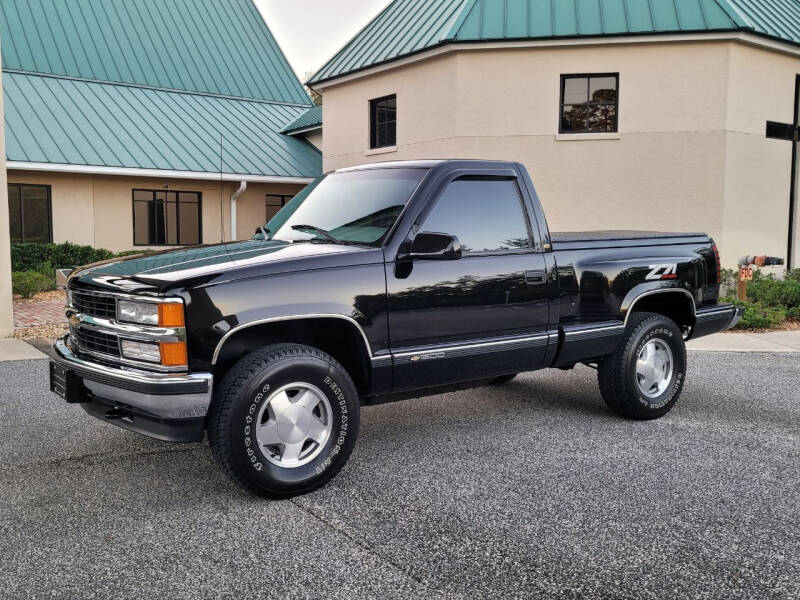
(662, 272)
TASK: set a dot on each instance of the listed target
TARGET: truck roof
(427, 164)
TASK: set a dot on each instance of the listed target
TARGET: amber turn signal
(170, 314)
(173, 354)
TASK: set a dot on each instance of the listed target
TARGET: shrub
(794, 312)
(793, 275)
(28, 283)
(728, 279)
(27, 256)
(761, 316)
(774, 292)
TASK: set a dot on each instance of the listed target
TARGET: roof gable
(59, 121)
(406, 27)
(402, 28)
(221, 47)
(308, 121)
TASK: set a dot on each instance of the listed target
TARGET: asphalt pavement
(530, 490)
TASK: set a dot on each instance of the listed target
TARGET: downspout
(234, 198)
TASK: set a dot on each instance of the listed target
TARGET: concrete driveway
(524, 491)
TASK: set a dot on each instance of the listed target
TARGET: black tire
(243, 392)
(503, 379)
(617, 373)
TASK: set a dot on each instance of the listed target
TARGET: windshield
(357, 207)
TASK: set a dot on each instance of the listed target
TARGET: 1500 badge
(662, 272)
(431, 356)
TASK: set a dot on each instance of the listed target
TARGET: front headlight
(162, 314)
(144, 313)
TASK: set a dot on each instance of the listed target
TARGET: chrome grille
(95, 341)
(96, 306)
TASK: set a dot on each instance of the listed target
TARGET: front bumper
(167, 406)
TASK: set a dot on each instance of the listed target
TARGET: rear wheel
(284, 421)
(644, 378)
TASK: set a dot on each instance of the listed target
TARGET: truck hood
(198, 265)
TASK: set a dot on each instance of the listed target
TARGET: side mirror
(436, 246)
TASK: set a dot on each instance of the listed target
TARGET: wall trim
(152, 173)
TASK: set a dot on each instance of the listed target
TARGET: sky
(312, 31)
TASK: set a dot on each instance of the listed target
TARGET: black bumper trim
(168, 430)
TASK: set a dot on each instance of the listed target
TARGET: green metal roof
(213, 46)
(71, 122)
(406, 27)
(309, 120)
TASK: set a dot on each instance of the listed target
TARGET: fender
(643, 290)
(238, 328)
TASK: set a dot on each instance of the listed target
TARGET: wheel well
(337, 337)
(678, 306)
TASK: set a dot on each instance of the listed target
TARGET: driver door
(479, 316)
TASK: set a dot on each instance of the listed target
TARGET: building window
(383, 122)
(275, 202)
(166, 218)
(30, 213)
(589, 103)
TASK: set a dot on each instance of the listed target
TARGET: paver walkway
(30, 314)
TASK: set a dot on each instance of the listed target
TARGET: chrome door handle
(535, 277)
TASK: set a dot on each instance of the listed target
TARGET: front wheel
(284, 420)
(644, 378)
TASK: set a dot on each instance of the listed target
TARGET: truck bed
(586, 240)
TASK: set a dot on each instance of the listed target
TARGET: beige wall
(97, 210)
(690, 153)
(756, 216)
(6, 307)
(314, 138)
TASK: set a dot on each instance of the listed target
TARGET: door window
(485, 214)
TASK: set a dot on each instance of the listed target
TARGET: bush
(760, 316)
(774, 292)
(28, 283)
(794, 312)
(728, 279)
(27, 256)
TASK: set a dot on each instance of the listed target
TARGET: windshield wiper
(320, 231)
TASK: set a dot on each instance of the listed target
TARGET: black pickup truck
(378, 283)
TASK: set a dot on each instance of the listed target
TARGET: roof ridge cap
(142, 86)
(349, 42)
(737, 17)
(461, 16)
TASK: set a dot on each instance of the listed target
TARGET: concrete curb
(12, 349)
(776, 341)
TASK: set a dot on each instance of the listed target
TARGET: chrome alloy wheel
(294, 424)
(654, 368)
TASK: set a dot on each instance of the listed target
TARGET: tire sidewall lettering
(340, 434)
(668, 335)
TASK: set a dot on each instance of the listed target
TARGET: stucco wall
(97, 210)
(315, 138)
(687, 116)
(756, 215)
